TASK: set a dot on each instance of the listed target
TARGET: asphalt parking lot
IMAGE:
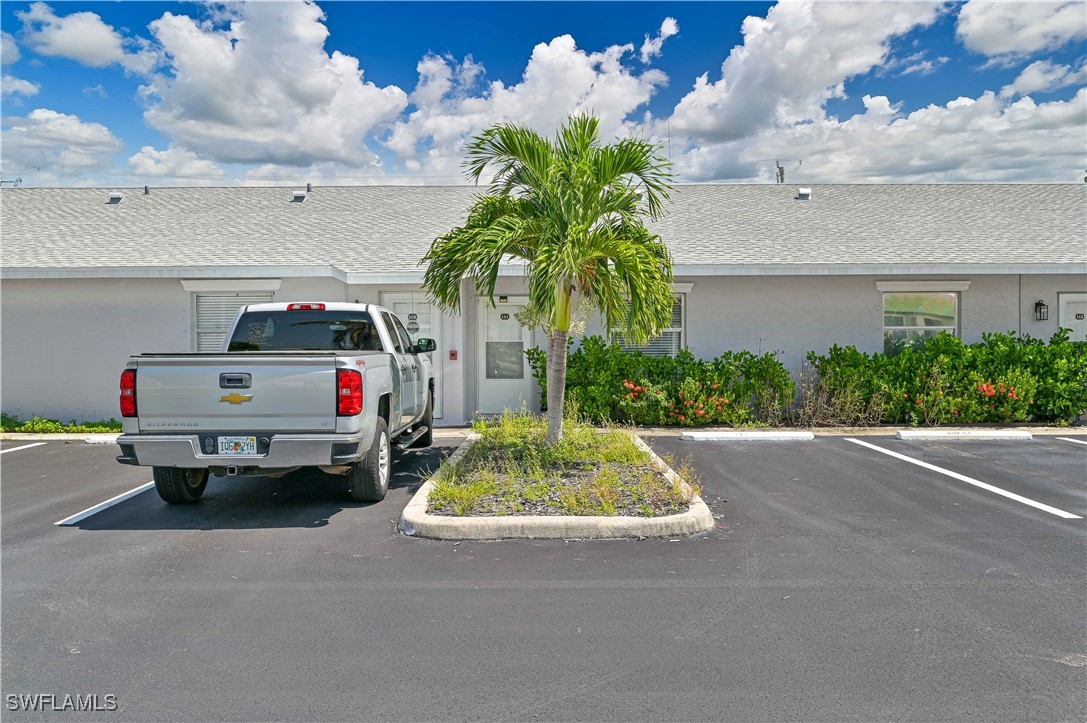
(841, 583)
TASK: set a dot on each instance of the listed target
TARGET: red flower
(906, 396)
(681, 416)
(715, 386)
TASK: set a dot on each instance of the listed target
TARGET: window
(670, 340)
(305, 331)
(394, 337)
(215, 312)
(405, 338)
(914, 317)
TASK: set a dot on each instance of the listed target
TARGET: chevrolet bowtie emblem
(236, 398)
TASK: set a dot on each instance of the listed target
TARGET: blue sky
(127, 93)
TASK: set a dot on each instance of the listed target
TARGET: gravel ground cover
(509, 470)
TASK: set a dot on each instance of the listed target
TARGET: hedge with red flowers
(1003, 379)
(606, 382)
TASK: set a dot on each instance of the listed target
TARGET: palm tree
(575, 211)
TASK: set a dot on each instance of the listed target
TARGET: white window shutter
(214, 312)
(670, 340)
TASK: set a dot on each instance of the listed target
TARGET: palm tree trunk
(549, 370)
(556, 385)
(556, 362)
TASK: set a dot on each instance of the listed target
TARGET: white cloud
(770, 104)
(1008, 30)
(263, 89)
(323, 174)
(651, 48)
(791, 62)
(10, 85)
(58, 147)
(925, 67)
(984, 139)
(82, 37)
(98, 90)
(174, 166)
(9, 51)
(558, 80)
(1043, 76)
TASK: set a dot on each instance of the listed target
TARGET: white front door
(1072, 314)
(505, 380)
(421, 321)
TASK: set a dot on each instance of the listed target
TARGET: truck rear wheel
(427, 438)
(368, 480)
(180, 486)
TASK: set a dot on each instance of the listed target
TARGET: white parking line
(25, 446)
(1069, 439)
(969, 480)
(79, 516)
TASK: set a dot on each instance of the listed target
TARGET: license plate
(237, 445)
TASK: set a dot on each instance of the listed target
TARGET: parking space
(840, 582)
(1047, 469)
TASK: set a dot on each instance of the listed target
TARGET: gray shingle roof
(386, 229)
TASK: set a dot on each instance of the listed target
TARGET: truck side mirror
(424, 345)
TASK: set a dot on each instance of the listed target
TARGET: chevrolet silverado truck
(328, 385)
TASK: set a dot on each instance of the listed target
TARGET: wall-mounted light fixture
(1041, 311)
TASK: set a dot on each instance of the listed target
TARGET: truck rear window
(305, 331)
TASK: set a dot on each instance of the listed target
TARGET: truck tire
(428, 421)
(368, 480)
(180, 486)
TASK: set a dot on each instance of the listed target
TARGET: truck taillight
(348, 392)
(305, 307)
(128, 393)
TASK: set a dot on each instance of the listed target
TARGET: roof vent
(299, 197)
(115, 197)
(803, 194)
(147, 190)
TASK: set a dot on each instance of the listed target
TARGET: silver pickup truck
(326, 385)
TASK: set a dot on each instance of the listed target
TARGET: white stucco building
(86, 279)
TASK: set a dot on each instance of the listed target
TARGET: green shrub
(41, 425)
(608, 383)
(1002, 379)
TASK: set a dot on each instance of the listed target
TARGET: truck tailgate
(236, 392)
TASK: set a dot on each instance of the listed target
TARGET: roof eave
(416, 276)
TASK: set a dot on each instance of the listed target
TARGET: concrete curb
(963, 434)
(745, 436)
(416, 522)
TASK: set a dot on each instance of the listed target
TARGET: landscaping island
(504, 481)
